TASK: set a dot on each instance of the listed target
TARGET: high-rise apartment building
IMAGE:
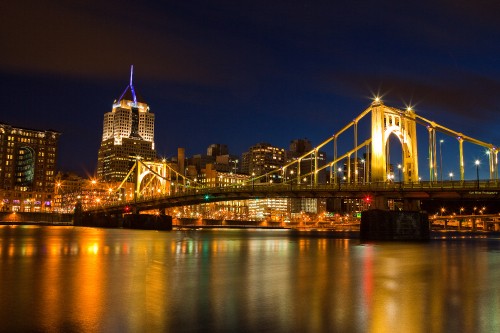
(128, 132)
(27, 168)
(263, 158)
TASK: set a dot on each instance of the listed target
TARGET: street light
(253, 179)
(364, 169)
(399, 172)
(340, 172)
(441, 160)
(477, 171)
(451, 176)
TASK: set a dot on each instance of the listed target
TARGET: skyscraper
(128, 132)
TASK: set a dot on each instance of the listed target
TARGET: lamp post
(291, 179)
(441, 160)
(364, 170)
(451, 176)
(253, 180)
(339, 170)
(399, 172)
(477, 171)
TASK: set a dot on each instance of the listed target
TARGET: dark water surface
(70, 279)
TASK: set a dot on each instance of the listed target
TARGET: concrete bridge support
(394, 225)
(411, 205)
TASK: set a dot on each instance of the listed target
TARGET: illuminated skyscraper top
(129, 118)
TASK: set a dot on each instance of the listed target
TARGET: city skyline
(239, 74)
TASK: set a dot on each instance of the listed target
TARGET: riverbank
(43, 223)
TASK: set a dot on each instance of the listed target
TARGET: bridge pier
(380, 202)
(387, 225)
(411, 205)
(380, 223)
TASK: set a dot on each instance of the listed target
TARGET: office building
(128, 133)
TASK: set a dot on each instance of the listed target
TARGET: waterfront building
(270, 209)
(263, 158)
(128, 133)
(27, 168)
(71, 188)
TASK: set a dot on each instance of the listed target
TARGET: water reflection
(84, 279)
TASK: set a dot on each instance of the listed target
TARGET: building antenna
(131, 73)
(131, 84)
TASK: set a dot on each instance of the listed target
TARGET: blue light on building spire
(131, 84)
(129, 92)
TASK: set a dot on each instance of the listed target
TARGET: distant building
(298, 148)
(218, 156)
(27, 168)
(217, 149)
(128, 132)
(227, 163)
(263, 158)
(211, 177)
(200, 161)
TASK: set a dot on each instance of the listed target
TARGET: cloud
(100, 39)
(468, 95)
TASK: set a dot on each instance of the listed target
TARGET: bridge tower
(155, 171)
(387, 121)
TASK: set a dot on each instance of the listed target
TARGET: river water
(76, 279)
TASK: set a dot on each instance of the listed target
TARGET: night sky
(243, 72)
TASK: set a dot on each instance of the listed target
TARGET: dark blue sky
(242, 72)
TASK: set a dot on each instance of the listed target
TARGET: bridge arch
(149, 173)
